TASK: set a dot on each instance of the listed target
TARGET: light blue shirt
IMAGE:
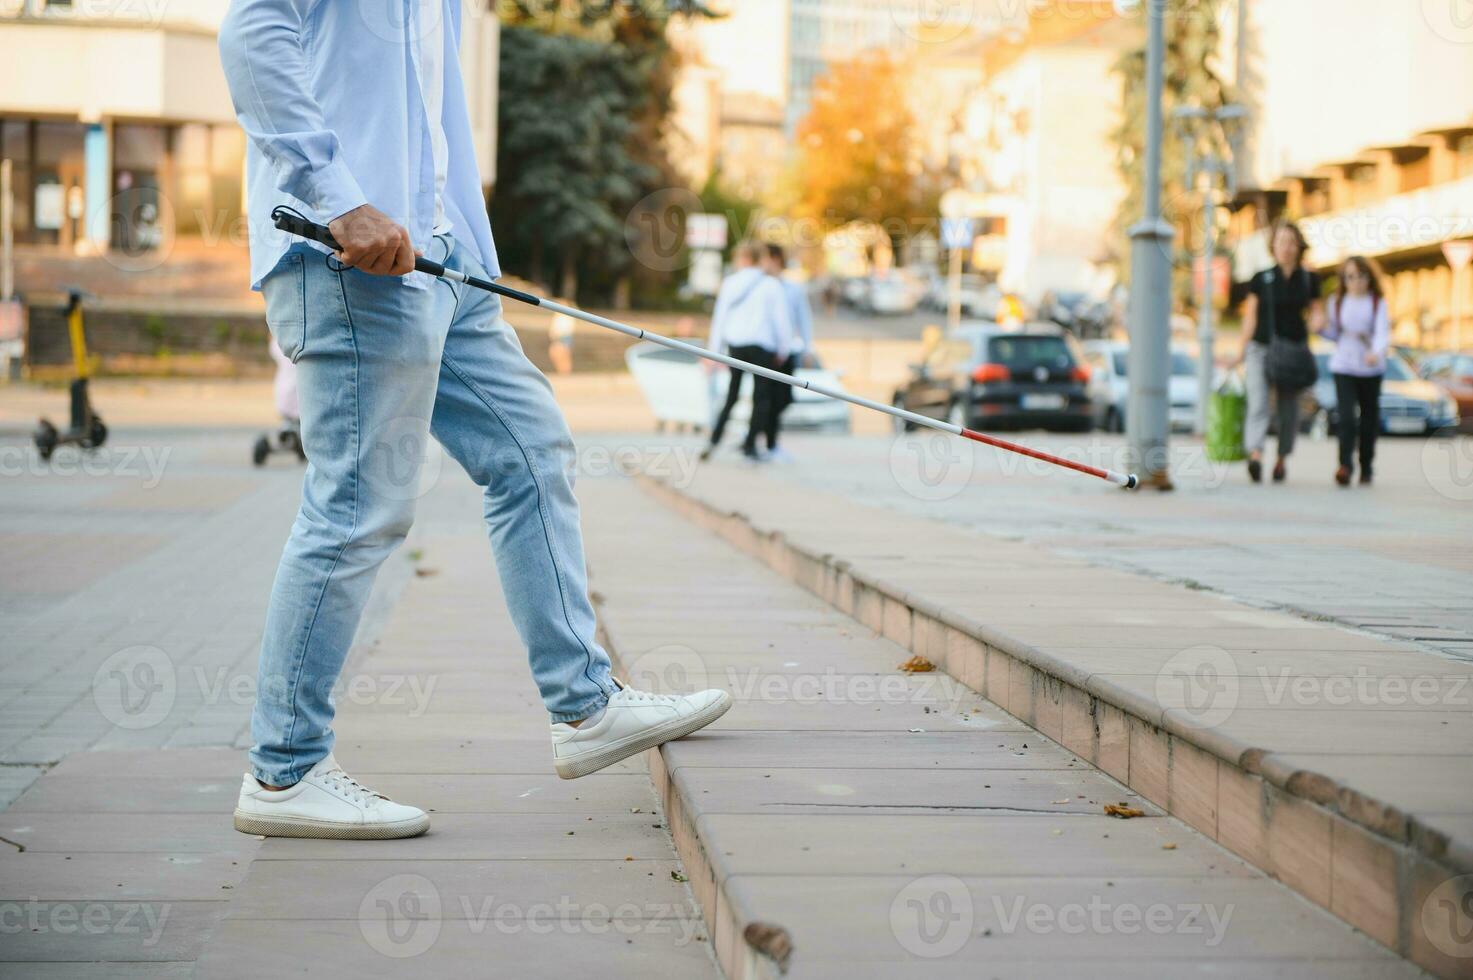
(327, 91)
(801, 313)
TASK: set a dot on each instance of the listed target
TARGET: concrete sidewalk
(522, 874)
(122, 862)
(884, 824)
(1231, 716)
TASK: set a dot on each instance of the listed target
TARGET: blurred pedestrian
(1283, 302)
(751, 323)
(775, 263)
(560, 342)
(1361, 328)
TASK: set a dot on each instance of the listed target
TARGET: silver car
(1109, 388)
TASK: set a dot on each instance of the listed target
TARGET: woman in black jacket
(1282, 307)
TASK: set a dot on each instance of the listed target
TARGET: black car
(985, 376)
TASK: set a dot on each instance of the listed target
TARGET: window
(1025, 352)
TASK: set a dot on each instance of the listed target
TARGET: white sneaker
(632, 722)
(327, 803)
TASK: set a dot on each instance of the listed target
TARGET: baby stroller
(288, 438)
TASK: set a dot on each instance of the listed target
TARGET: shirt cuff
(335, 192)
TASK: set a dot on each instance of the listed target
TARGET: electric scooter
(86, 429)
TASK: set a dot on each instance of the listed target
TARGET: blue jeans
(382, 366)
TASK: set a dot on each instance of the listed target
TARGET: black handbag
(1290, 363)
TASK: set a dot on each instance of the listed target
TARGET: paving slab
(530, 875)
(456, 948)
(1064, 926)
(792, 813)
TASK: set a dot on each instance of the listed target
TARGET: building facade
(1367, 142)
(1043, 177)
(118, 123)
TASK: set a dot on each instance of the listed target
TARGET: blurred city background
(921, 163)
(1236, 696)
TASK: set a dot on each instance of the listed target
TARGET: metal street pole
(1150, 289)
(1206, 329)
(954, 292)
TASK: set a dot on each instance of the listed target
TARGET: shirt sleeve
(1381, 329)
(782, 321)
(266, 69)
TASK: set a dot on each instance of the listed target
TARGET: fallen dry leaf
(426, 572)
(770, 940)
(1168, 847)
(917, 665)
(1122, 811)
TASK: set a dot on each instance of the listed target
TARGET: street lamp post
(1189, 118)
(1146, 416)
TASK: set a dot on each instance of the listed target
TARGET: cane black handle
(295, 223)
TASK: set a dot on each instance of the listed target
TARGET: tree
(858, 161)
(1193, 35)
(585, 92)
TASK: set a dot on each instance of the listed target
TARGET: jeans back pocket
(285, 291)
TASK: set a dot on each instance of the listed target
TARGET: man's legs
(368, 353)
(763, 402)
(782, 397)
(733, 391)
(495, 413)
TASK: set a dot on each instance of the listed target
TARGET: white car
(809, 409)
(978, 298)
(682, 394)
(1109, 388)
(892, 293)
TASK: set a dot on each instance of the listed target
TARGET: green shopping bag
(1226, 410)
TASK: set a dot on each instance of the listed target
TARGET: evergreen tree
(585, 92)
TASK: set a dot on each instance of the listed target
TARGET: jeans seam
(584, 710)
(547, 534)
(347, 540)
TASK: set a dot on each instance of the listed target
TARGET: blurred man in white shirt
(800, 313)
(751, 323)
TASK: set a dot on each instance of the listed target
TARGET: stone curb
(1361, 858)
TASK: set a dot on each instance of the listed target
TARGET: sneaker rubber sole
(266, 826)
(591, 762)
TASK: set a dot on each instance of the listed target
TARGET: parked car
(809, 411)
(891, 293)
(1452, 371)
(1109, 387)
(977, 298)
(984, 376)
(1409, 404)
(853, 290)
(682, 395)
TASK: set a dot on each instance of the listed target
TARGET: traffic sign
(957, 232)
(705, 231)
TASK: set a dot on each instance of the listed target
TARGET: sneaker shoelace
(647, 696)
(350, 787)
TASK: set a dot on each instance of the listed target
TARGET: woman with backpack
(1282, 303)
(1361, 329)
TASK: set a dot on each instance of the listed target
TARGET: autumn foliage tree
(856, 156)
